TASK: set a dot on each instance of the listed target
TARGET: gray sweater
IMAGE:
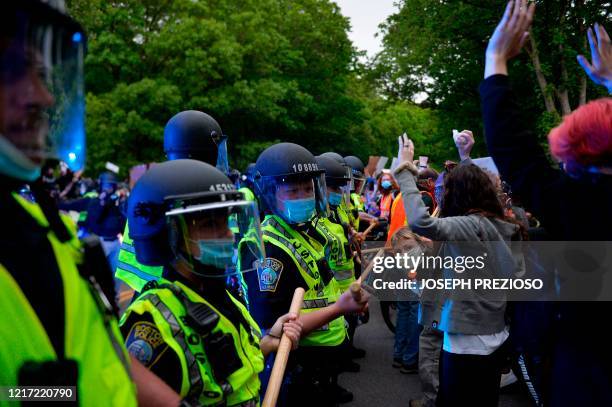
(478, 311)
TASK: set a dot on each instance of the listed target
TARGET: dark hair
(427, 173)
(467, 190)
(423, 178)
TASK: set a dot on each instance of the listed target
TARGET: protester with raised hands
(583, 145)
(473, 321)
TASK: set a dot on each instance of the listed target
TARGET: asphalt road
(378, 384)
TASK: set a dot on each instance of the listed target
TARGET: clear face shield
(357, 183)
(222, 156)
(296, 199)
(338, 192)
(213, 237)
(42, 105)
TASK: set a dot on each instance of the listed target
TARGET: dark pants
(352, 322)
(470, 380)
(314, 376)
(581, 374)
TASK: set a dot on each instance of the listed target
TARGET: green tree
(437, 47)
(266, 70)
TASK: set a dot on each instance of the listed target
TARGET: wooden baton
(282, 355)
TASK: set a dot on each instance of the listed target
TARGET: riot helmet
(196, 135)
(336, 179)
(357, 172)
(107, 181)
(188, 211)
(290, 184)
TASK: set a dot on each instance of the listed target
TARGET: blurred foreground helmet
(196, 135)
(108, 180)
(290, 184)
(187, 210)
(42, 104)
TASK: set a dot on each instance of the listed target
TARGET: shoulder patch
(145, 343)
(269, 274)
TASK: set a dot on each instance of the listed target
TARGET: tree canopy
(285, 70)
(438, 48)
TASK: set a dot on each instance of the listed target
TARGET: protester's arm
(518, 156)
(417, 214)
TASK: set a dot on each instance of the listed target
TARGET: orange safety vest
(385, 205)
(398, 216)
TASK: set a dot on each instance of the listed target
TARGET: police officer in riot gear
(105, 215)
(188, 134)
(57, 325)
(186, 327)
(339, 256)
(338, 182)
(358, 180)
(291, 189)
(346, 205)
(196, 135)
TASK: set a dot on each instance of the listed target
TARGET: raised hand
(600, 67)
(405, 152)
(509, 36)
(464, 141)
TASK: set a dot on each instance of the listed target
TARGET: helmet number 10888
(305, 167)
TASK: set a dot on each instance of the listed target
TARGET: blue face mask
(386, 184)
(16, 165)
(334, 198)
(218, 253)
(299, 210)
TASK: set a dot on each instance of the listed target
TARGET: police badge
(269, 273)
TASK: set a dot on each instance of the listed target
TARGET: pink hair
(585, 136)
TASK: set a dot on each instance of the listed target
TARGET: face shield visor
(213, 237)
(357, 182)
(296, 199)
(346, 187)
(338, 191)
(42, 100)
(222, 156)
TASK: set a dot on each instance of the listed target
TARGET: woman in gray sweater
(471, 223)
